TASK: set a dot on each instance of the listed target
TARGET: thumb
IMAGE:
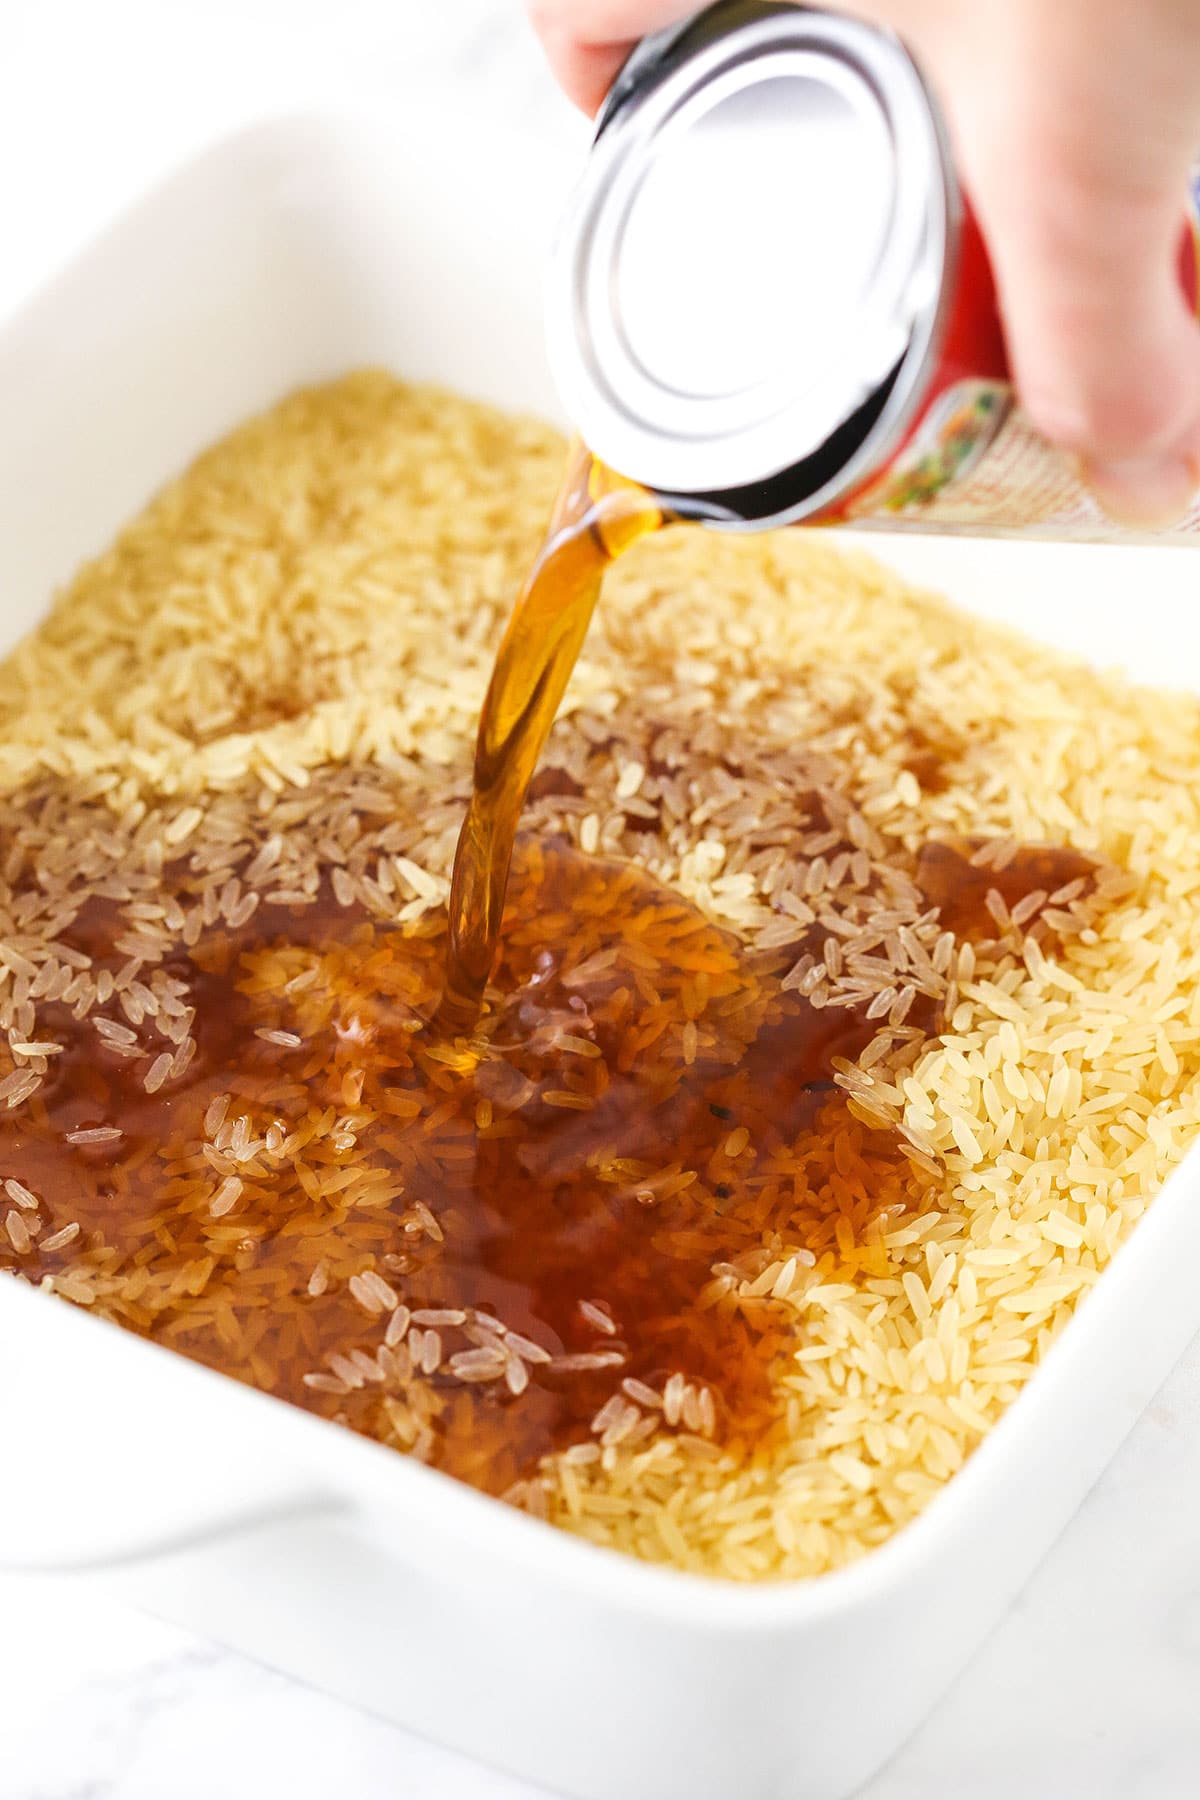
(1085, 233)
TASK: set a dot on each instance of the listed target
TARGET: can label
(976, 463)
(972, 461)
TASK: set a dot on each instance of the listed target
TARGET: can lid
(756, 236)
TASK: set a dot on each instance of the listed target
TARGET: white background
(1091, 1688)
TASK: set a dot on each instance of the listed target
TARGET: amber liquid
(596, 517)
(615, 1112)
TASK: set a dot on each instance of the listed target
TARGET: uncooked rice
(272, 680)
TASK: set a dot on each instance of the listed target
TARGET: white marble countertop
(1091, 1686)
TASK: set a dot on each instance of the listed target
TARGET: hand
(1075, 124)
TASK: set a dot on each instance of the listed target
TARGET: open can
(769, 301)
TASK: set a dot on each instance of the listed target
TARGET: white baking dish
(291, 253)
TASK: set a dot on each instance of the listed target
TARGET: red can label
(971, 460)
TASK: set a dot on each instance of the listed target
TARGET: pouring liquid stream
(597, 516)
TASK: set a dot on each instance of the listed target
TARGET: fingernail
(1148, 490)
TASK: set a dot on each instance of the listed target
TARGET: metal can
(769, 300)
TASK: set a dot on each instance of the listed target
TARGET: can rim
(678, 441)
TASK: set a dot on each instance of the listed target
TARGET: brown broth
(953, 877)
(579, 1159)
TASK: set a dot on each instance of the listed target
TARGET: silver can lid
(759, 235)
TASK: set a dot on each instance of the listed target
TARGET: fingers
(1079, 173)
(584, 72)
(586, 41)
(1105, 351)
